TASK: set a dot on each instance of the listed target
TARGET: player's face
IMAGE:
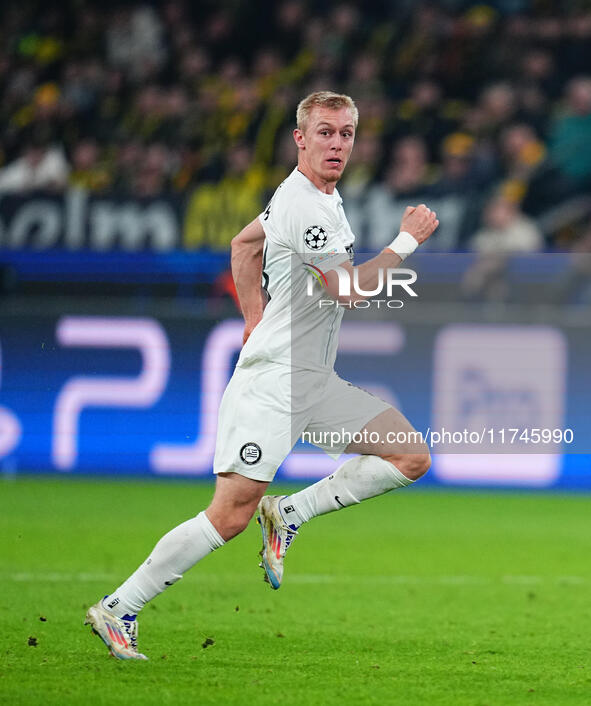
(325, 145)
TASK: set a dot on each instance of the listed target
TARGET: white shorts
(267, 406)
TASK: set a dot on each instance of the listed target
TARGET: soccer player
(284, 382)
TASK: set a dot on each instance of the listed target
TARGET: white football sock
(357, 479)
(176, 552)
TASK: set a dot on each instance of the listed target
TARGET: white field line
(56, 577)
(451, 580)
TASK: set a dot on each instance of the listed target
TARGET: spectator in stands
(41, 166)
(127, 157)
(425, 113)
(506, 230)
(570, 138)
(407, 178)
(527, 170)
(497, 106)
(88, 172)
(458, 168)
(342, 36)
(521, 151)
(134, 41)
(538, 83)
(409, 172)
(216, 208)
(461, 182)
(152, 175)
(365, 81)
(290, 20)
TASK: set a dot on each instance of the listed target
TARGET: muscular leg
(233, 504)
(406, 451)
(392, 462)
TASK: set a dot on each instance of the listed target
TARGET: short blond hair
(324, 99)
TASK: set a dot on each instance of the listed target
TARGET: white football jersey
(306, 235)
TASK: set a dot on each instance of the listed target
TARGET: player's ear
(300, 141)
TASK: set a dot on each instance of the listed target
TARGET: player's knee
(241, 525)
(415, 465)
(233, 525)
(230, 521)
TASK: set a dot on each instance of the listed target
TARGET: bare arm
(420, 222)
(247, 269)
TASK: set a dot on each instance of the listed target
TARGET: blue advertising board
(138, 395)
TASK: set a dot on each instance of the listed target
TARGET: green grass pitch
(418, 597)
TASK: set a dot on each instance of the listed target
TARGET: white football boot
(277, 537)
(118, 634)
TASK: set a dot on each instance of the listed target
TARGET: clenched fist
(419, 221)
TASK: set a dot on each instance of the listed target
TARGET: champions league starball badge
(315, 237)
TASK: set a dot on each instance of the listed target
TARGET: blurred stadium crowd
(484, 110)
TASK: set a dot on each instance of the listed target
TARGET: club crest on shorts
(315, 237)
(251, 453)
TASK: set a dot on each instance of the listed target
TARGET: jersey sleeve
(310, 230)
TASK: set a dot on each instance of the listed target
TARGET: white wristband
(403, 245)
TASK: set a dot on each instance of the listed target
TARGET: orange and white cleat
(277, 538)
(118, 634)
